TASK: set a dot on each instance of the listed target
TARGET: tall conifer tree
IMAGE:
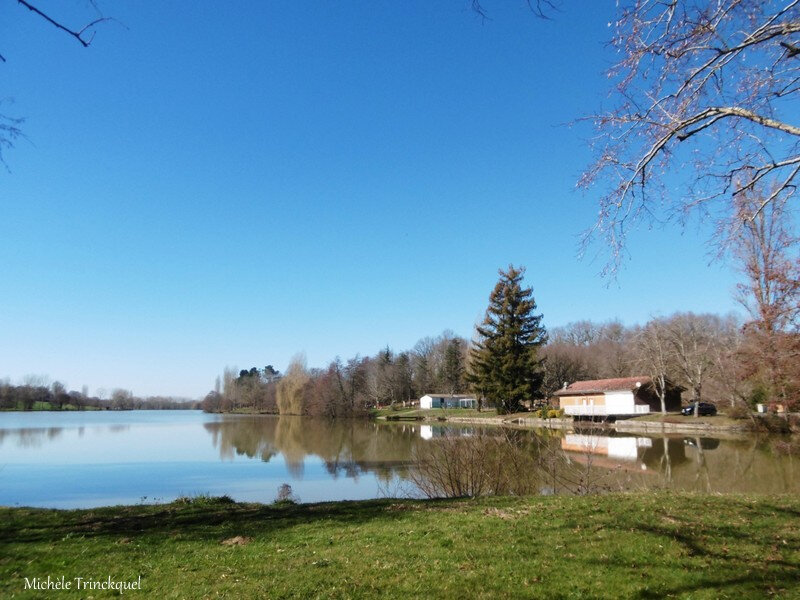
(505, 366)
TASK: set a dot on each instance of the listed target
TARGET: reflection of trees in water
(30, 437)
(35, 437)
(703, 464)
(347, 447)
(246, 436)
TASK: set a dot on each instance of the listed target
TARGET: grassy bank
(433, 413)
(552, 547)
(48, 406)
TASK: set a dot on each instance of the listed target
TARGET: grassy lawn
(631, 546)
(48, 406)
(436, 412)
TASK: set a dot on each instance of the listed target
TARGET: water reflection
(429, 432)
(346, 447)
(75, 460)
(740, 464)
(30, 437)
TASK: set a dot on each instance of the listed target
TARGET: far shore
(651, 423)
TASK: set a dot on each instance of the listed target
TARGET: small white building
(447, 401)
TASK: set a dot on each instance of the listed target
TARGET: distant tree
(564, 364)
(694, 340)
(291, 388)
(766, 247)
(121, 399)
(351, 382)
(60, 396)
(423, 368)
(654, 354)
(212, 402)
(505, 365)
(271, 374)
(453, 368)
(403, 377)
(381, 378)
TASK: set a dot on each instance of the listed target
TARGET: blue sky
(229, 184)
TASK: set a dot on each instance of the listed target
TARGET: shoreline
(622, 426)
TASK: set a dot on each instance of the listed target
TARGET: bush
(286, 495)
(480, 465)
(555, 413)
(396, 406)
(739, 411)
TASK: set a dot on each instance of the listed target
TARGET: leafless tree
(694, 340)
(654, 355)
(765, 248)
(456, 466)
(700, 112)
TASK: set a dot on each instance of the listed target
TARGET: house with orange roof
(620, 397)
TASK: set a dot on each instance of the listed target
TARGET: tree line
(346, 388)
(513, 361)
(38, 395)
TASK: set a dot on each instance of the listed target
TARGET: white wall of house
(428, 401)
(619, 403)
(615, 403)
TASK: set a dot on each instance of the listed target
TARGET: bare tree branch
(699, 113)
(78, 35)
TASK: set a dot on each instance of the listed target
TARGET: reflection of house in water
(623, 447)
(625, 452)
(427, 432)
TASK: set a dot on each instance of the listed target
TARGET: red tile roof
(626, 384)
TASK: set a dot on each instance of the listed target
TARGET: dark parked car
(705, 409)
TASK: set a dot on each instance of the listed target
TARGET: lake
(86, 459)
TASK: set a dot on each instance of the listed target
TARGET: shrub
(480, 465)
(555, 413)
(739, 411)
(286, 495)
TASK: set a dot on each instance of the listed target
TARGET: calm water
(102, 458)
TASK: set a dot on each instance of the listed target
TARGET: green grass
(48, 406)
(615, 546)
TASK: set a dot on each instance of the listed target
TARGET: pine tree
(453, 367)
(504, 363)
